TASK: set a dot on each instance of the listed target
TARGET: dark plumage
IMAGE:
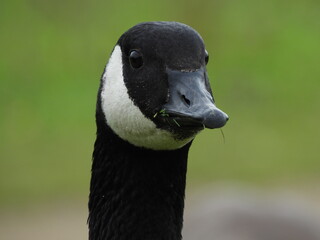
(137, 195)
(137, 189)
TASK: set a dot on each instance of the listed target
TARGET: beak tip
(216, 119)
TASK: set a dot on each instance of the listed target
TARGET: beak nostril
(186, 100)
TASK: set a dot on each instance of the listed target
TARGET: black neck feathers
(135, 193)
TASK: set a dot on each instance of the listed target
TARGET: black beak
(190, 102)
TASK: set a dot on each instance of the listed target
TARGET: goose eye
(135, 59)
(206, 58)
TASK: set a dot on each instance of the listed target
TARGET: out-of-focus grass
(264, 67)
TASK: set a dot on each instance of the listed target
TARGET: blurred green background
(264, 69)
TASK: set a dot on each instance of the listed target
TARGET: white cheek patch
(126, 119)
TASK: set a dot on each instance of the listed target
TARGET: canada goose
(154, 97)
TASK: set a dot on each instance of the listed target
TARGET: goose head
(155, 92)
